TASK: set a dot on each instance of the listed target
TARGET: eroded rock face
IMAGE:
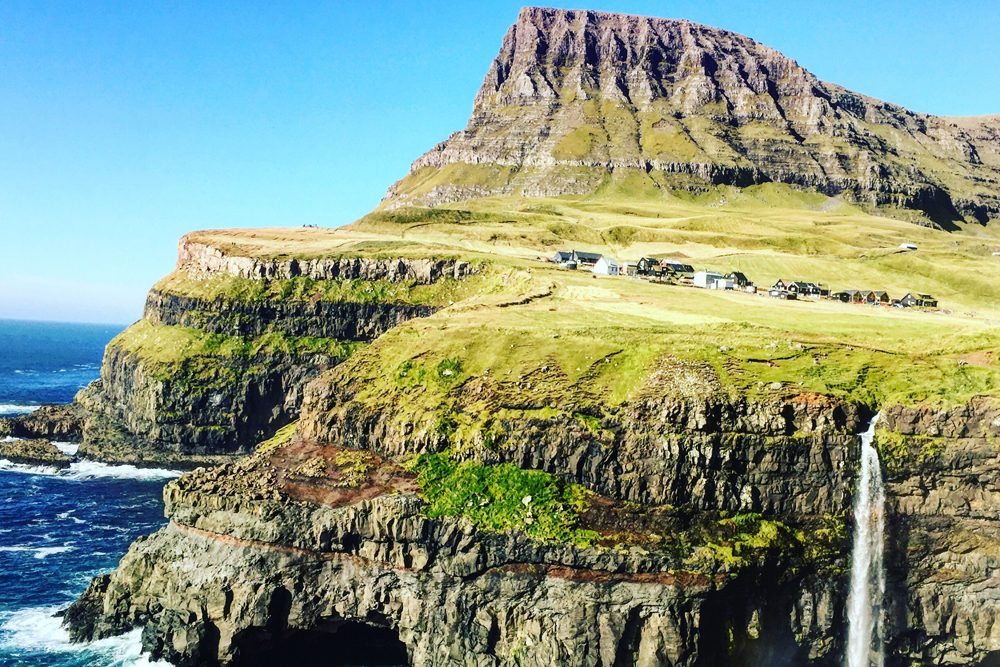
(323, 319)
(250, 565)
(62, 423)
(232, 576)
(209, 407)
(573, 96)
(200, 258)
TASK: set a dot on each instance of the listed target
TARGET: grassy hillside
(751, 343)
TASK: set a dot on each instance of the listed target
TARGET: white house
(706, 279)
(723, 283)
(606, 266)
(908, 246)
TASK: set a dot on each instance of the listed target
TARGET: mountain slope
(575, 98)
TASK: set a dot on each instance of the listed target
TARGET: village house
(606, 266)
(706, 279)
(801, 288)
(676, 268)
(877, 298)
(739, 279)
(648, 266)
(561, 256)
(585, 258)
(918, 301)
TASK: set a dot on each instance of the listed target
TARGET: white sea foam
(68, 516)
(38, 630)
(39, 552)
(67, 448)
(85, 470)
(9, 409)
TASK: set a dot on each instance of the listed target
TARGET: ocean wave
(87, 470)
(39, 630)
(13, 409)
(39, 553)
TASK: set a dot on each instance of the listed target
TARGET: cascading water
(864, 603)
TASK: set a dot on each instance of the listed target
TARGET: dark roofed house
(648, 266)
(844, 296)
(674, 266)
(918, 301)
(779, 284)
(561, 256)
(739, 279)
(877, 297)
(586, 258)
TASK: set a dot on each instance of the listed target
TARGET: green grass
(246, 290)
(503, 498)
(165, 348)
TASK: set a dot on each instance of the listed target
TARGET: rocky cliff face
(324, 541)
(206, 375)
(301, 564)
(575, 96)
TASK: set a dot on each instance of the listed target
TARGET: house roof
(927, 297)
(736, 275)
(563, 254)
(587, 255)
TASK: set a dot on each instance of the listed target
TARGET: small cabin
(606, 266)
(909, 247)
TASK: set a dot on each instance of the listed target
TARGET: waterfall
(864, 603)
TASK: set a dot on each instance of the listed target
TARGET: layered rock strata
(204, 377)
(575, 96)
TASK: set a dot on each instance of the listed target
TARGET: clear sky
(124, 125)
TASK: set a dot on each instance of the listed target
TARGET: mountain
(575, 98)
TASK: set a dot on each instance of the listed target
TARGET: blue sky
(124, 125)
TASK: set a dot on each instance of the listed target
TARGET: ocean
(58, 529)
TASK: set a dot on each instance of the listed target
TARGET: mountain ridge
(574, 96)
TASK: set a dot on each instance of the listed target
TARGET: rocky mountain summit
(576, 100)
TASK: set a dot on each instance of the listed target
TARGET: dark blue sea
(59, 529)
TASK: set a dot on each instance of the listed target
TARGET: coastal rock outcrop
(214, 367)
(62, 423)
(36, 452)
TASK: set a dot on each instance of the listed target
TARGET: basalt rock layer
(205, 376)
(298, 564)
(575, 98)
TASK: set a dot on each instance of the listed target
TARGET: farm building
(918, 301)
(706, 279)
(586, 258)
(605, 266)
